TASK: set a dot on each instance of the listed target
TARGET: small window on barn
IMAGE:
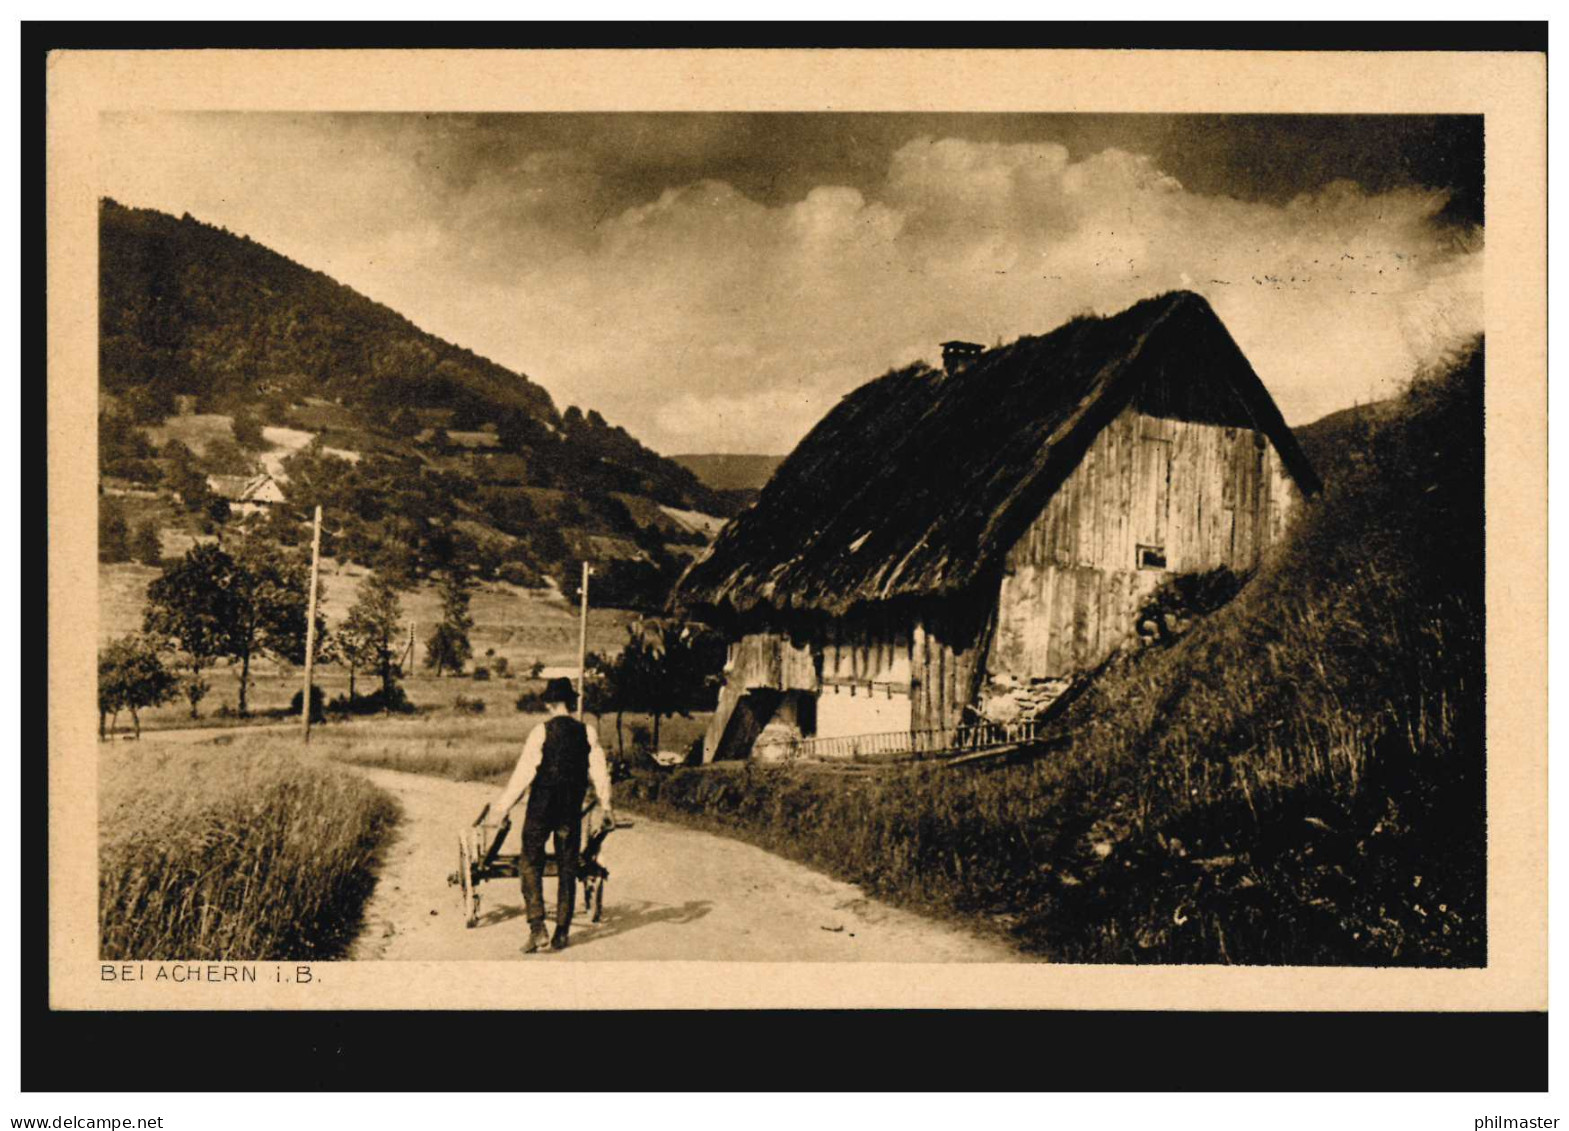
(1152, 557)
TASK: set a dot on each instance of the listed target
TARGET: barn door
(1152, 497)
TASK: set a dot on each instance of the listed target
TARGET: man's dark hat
(560, 690)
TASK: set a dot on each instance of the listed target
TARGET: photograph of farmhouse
(791, 537)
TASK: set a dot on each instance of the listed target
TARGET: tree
(112, 543)
(211, 605)
(247, 431)
(281, 525)
(356, 649)
(189, 608)
(517, 431)
(404, 423)
(147, 544)
(150, 404)
(448, 646)
(546, 544)
(375, 624)
(186, 480)
(271, 595)
(665, 668)
(225, 457)
(396, 561)
(195, 689)
(123, 449)
(131, 677)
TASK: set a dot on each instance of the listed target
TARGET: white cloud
(705, 320)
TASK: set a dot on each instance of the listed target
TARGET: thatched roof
(238, 488)
(917, 483)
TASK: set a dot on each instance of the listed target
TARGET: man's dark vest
(562, 777)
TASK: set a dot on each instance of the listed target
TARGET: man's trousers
(568, 833)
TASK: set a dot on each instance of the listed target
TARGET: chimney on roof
(956, 355)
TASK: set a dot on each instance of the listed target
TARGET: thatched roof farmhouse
(246, 494)
(949, 545)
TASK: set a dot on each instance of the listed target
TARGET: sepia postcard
(797, 529)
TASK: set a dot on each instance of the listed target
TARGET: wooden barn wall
(866, 652)
(769, 659)
(945, 661)
(1206, 495)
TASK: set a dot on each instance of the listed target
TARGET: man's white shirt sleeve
(522, 774)
(598, 769)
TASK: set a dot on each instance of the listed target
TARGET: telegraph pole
(310, 624)
(582, 645)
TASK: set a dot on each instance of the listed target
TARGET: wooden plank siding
(945, 666)
(1205, 495)
(771, 660)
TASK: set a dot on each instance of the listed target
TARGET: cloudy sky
(716, 282)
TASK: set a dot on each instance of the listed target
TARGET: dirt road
(673, 893)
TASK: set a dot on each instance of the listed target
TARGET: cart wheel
(597, 900)
(467, 899)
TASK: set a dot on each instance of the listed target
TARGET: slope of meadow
(1297, 779)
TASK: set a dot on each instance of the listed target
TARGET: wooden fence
(901, 744)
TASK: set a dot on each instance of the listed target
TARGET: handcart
(480, 858)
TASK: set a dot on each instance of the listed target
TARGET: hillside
(190, 309)
(731, 472)
(1332, 438)
(1296, 779)
(220, 357)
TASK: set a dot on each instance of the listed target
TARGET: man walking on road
(560, 757)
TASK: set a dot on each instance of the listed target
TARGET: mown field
(1298, 779)
(208, 852)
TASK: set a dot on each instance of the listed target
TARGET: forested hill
(190, 309)
(731, 472)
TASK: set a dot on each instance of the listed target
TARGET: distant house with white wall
(246, 494)
(953, 545)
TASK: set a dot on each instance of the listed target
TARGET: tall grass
(1298, 779)
(214, 853)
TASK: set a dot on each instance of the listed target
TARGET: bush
(112, 530)
(463, 705)
(531, 702)
(521, 574)
(147, 545)
(481, 674)
(318, 704)
(247, 431)
(368, 704)
(500, 664)
(1184, 598)
(373, 704)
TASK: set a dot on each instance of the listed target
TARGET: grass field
(522, 625)
(195, 431)
(211, 852)
(461, 748)
(1297, 780)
